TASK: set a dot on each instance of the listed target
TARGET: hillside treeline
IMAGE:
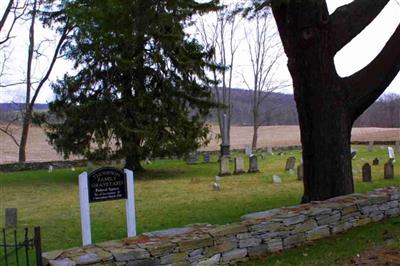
(278, 109)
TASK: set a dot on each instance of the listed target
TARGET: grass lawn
(169, 194)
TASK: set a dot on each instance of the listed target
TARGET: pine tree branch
(349, 20)
(370, 82)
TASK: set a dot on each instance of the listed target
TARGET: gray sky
(350, 59)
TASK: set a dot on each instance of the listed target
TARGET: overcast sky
(350, 59)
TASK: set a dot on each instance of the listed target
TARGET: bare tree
(29, 11)
(32, 92)
(14, 10)
(220, 34)
(264, 49)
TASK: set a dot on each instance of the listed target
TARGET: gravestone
(11, 217)
(391, 153)
(397, 149)
(388, 170)
(216, 185)
(253, 165)
(239, 165)
(370, 146)
(192, 158)
(224, 166)
(50, 168)
(375, 161)
(353, 153)
(276, 179)
(206, 157)
(269, 150)
(366, 173)
(300, 172)
(290, 163)
(247, 149)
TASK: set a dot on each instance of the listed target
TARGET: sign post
(85, 209)
(106, 184)
(130, 204)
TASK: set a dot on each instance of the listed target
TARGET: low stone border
(14, 167)
(257, 234)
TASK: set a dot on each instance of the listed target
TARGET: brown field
(38, 148)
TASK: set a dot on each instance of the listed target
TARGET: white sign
(85, 207)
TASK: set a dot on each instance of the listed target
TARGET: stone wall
(27, 166)
(257, 234)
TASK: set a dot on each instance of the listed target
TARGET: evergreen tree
(140, 87)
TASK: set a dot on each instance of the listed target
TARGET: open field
(39, 150)
(170, 194)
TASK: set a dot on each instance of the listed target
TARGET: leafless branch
(9, 132)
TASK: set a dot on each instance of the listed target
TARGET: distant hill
(278, 109)
(12, 107)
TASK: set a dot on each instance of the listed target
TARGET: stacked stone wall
(257, 234)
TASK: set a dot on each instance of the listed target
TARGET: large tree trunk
(327, 104)
(325, 136)
(132, 162)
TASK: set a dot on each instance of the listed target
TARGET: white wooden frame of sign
(85, 207)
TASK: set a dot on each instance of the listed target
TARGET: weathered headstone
(300, 172)
(391, 153)
(353, 153)
(192, 158)
(290, 163)
(239, 165)
(253, 165)
(224, 166)
(276, 179)
(269, 150)
(375, 161)
(366, 173)
(11, 217)
(216, 184)
(248, 150)
(206, 157)
(370, 146)
(388, 170)
(397, 147)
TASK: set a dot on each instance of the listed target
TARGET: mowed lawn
(169, 194)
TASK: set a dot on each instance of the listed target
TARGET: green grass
(170, 194)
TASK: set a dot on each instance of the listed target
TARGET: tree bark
(133, 163)
(255, 138)
(26, 122)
